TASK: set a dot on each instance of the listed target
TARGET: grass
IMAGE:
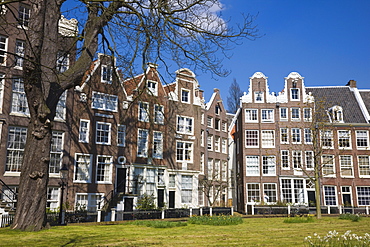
(252, 232)
(299, 219)
(221, 220)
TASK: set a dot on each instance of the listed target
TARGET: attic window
(106, 74)
(152, 88)
(258, 96)
(294, 93)
(336, 114)
(217, 109)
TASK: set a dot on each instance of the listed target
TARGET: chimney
(352, 83)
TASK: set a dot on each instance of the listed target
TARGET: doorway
(160, 199)
(171, 200)
(121, 180)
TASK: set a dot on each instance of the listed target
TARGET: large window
(268, 138)
(106, 102)
(309, 160)
(158, 114)
(104, 169)
(269, 191)
(364, 165)
(267, 115)
(143, 111)
(83, 168)
(3, 49)
(184, 125)
(251, 138)
(296, 135)
(330, 197)
(284, 136)
(217, 143)
(106, 74)
(56, 152)
(186, 188)
(19, 100)
(142, 143)
(24, 15)
(184, 151)
(362, 139)
(61, 107)
(328, 165)
(252, 166)
(157, 145)
(150, 181)
(296, 114)
(268, 165)
(17, 137)
(327, 139)
(307, 114)
(285, 159)
(210, 169)
(2, 81)
(52, 198)
(121, 135)
(307, 136)
(88, 201)
(251, 115)
(224, 145)
(83, 135)
(297, 159)
(346, 166)
(19, 53)
(253, 192)
(292, 190)
(103, 133)
(344, 139)
(363, 195)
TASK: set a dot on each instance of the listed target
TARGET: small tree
(146, 202)
(212, 188)
(233, 100)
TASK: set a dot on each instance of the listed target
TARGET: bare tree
(234, 96)
(212, 187)
(186, 32)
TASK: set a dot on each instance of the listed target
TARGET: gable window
(362, 139)
(104, 169)
(184, 151)
(251, 138)
(61, 107)
(258, 97)
(143, 111)
(3, 49)
(307, 136)
(268, 138)
(106, 74)
(186, 188)
(105, 102)
(295, 114)
(294, 93)
(364, 165)
(268, 166)
(103, 133)
(83, 168)
(184, 125)
(296, 135)
(158, 114)
(252, 166)
(309, 160)
(56, 152)
(17, 137)
(346, 166)
(185, 96)
(307, 114)
(142, 143)
(24, 15)
(285, 159)
(157, 145)
(19, 53)
(251, 115)
(328, 165)
(297, 159)
(217, 109)
(284, 114)
(83, 135)
(344, 139)
(224, 126)
(327, 139)
(152, 88)
(284, 136)
(19, 100)
(267, 115)
(121, 135)
(62, 61)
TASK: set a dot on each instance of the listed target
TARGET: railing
(10, 197)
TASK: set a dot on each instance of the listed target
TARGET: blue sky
(326, 41)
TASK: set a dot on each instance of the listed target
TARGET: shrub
(333, 238)
(158, 224)
(221, 220)
(308, 219)
(348, 216)
(146, 202)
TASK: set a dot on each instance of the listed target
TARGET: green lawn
(253, 232)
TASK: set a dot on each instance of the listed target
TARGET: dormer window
(106, 74)
(258, 97)
(294, 93)
(152, 88)
(336, 114)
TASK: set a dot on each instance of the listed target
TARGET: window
(19, 100)
(202, 138)
(217, 143)
(328, 165)
(362, 139)
(17, 137)
(296, 136)
(294, 93)
(3, 49)
(103, 133)
(292, 190)
(83, 135)
(268, 138)
(121, 135)
(56, 152)
(307, 114)
(52, 198)
(251, 138)
(330, 196)
(138, 178)
(268, 165)
(217, 124)
(258, 97)
(364, 166)
(24, 15)
(252, 166)
(251, 115)
(172, 181)
(202, 163)
(143, 111)
(297, 159)
(186, 188)
(202, 118)
(157, 145)
(210, 122)
(19, 53)
(185, 96)
(210, 169)
(284, 136)
(2, 81)
(327, 139)
(267, 115)
(88, 201)
(224, 126)
(142, 143)
(363, 195)
(217, 169)
(184, 151)
(344, 139)
(105, 102)
(158, 114)
(285, 159)
(83, 168)
(284, 114)
(309, 160)
(253, 192)
(61, 107)
(307, 136)
(152, 88)
(224, 145)
(336, 114)
(269, 190)
(104, 169)
(106, 74)
(210, 142)
(346, 166)
(62, 62)
(295, 114)
(184, 125)
(150, 181)
(224, 170)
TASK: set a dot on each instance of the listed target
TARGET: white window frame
(143, 111)
(142, 143)
(267, 138)
(157, 145)
(284, 134)
(61, 107)
(62, 62)
(106, 74)
(185, 125)
(186, 152)
(92, 203)
(19, 53)
(253, 192)
(83, 176)
(56, 152)
(121, 135)
(185, 98)
(270, 190)
(210, 122)
(259, 97)
(2, 82)
(364, 196)
(152, 87)
(186, 189)
(296, 135)
(328, 166)
(104, 169)
(327, 137)
(268, 165)
(3, 49)
(297, 94)
(327, 196)
(84, 131)
(267, 115)
(307, 136)
(217, 143)
(17, 137)
(344, 138)
(252, 139)
(158, 114)
(293, 114)
(285, 159)
(363, 139)
(297, 160)
(251, 115)
(19, 99)
(224, 145)
(309, 160)
(307, 114)
(24, 13)
(105, 102)
(284, 110)
(363, 166)
(252, 165)
(210, 142)
(102, 131)
(346, 164)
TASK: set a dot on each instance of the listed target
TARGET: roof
(365, 95)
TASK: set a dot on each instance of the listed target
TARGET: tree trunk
(317, 194)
